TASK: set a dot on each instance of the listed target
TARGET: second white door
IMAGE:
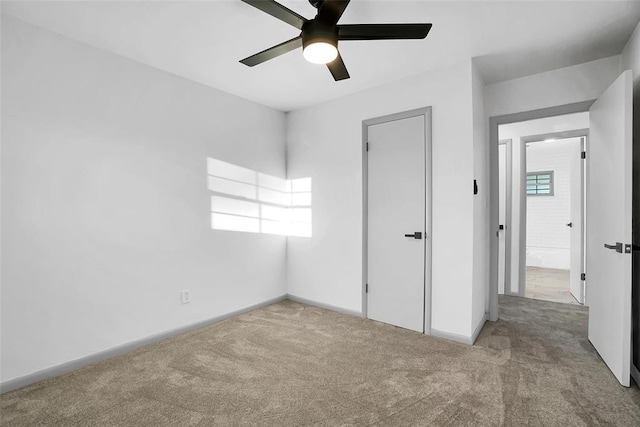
(396, 222)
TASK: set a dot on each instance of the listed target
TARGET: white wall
(578, 83)
(515, 132)
(105, 209)
(548, 237)
(481, 232)
(630, 57)
(324, 142)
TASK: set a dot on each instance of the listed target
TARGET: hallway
(552, 371)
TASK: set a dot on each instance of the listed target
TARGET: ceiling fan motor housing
(316, 31)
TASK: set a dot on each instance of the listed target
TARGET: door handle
(617, 247)
(416, 235)
(570, 224)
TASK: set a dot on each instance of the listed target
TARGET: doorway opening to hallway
(542, 172)
(608, 216)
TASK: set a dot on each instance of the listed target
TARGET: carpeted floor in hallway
(291, 364)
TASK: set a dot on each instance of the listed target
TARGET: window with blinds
(540, 183)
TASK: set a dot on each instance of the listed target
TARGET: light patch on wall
(249, 201)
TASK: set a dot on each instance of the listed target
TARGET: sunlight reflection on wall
(254, 202)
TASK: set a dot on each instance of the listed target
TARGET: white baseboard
(478, 329)
(451, 336)
(72, 365)
(461, 338)
(63, 368)
(330, 307)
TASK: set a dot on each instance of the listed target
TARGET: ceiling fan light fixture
(319, 42)
(320, 52)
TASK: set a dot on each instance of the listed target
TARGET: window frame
(536, 174)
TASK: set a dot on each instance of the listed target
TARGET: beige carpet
(291, 364)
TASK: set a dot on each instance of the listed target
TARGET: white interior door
(609, 197)
(502, 209)
(576, 235)
(396, 211)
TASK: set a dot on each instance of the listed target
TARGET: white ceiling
(204, 40)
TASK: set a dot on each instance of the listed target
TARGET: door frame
(583, 134)
(508, 176)
(494, 123)
(426, 112)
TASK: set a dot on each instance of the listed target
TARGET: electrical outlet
(185, 296)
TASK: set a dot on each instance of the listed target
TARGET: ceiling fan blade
(277, 10)
(383, 31)
(331, 10)
(272, 52)
(338, 69)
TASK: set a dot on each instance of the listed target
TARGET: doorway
(555, 205)
(541, 175)
(397, 219)
(494, 124)
(608, 219)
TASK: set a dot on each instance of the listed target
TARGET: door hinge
(583, 155)
(367, 148)
(366, 288)
(583, 276)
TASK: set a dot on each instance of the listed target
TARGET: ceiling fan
(319, 36)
